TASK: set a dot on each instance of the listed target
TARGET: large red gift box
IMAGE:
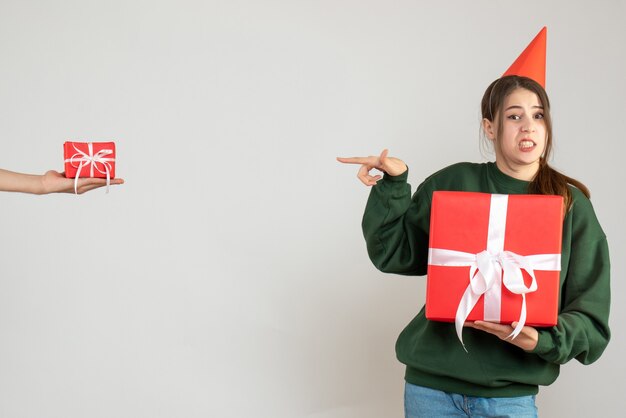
(89, 159)
(495, 258)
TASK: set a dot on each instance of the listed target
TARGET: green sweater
(396, 229)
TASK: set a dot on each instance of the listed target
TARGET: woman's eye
(539, 116)
(513, 117)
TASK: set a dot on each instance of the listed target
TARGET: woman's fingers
(371, 180)
(498, 329)
(526, 340)
(382, 157)
(368, 163)
(55, 182)
(358, 160)
(87, 184)
(365, 177)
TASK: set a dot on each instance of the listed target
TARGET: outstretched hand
(55, 182)
(390, 165)
(526, 340)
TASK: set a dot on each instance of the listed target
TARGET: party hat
(532, 62)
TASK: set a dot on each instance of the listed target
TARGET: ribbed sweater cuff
(401, 178)
(544, 343)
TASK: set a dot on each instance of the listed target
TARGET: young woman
(498, 376)
(51, 182)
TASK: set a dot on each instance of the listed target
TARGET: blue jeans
(421, 402)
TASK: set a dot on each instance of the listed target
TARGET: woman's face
(523, 135)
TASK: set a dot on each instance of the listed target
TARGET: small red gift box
(89, 159)
(495, 258)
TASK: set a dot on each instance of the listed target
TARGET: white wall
(229, 276)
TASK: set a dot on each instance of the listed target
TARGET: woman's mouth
(526, 145)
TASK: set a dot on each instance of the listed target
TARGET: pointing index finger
(354, 160)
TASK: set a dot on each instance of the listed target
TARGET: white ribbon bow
(491, 268)
(90, 159)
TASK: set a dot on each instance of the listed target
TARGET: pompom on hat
(532, 61)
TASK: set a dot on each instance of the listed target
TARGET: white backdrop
(228, 277)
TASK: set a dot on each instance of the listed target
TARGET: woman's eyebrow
(520, 107)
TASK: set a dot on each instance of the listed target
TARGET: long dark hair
(547, 180)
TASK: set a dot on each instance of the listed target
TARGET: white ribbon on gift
(90, 159)
(491, 268)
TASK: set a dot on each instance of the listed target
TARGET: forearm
(19, 182)
(394, 228)
(577, 336)
(583, 329)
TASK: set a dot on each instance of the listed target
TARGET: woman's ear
(489, 128)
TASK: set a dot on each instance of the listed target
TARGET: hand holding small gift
(88, 166)
(55, 182)
(51, 182)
